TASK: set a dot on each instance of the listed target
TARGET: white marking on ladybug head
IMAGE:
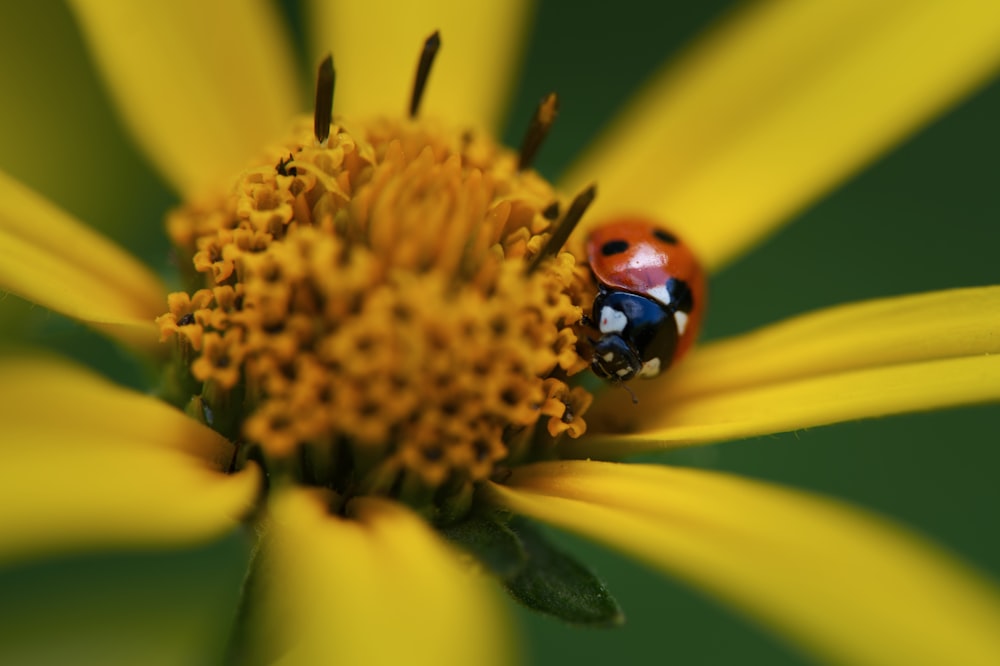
(612, 321)
(681, 318)
(650, 368)
(660, 293)
(622, 372)
(610, 356)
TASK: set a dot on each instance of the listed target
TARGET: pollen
(365, 314)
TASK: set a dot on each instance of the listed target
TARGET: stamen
(283, 168)
(565, 228)
(541, 123)
(427, 56)
(323, 116)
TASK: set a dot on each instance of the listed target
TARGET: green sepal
(555, 584)
(490, 542)
(195, 408)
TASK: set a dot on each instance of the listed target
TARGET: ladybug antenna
(431, 47)
(635, 400)
(565, 228)
(323, 112)
(539, 128)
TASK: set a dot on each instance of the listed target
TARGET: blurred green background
(925, 217)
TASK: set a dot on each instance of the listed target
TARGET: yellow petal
(202, 86)
(801, 403)
(58, 402)
(102, 493)
(777, 106)
(376, 45)
(58, 136)
(381, 589)
(901, 329)
(846, 586)
(48, 257)
(91, 465)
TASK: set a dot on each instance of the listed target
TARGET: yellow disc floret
(363, 315)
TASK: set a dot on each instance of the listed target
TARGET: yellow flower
(359, 330)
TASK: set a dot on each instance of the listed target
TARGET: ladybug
(650, 299)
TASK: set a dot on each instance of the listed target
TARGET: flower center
(365, 314)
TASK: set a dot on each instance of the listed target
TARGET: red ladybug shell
(639, 257)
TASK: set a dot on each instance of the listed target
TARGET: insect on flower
(376, 358)
(651, 288)
(650, 301)
(650, 292)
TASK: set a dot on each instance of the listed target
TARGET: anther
(539, 128)
(431, 47)
(565, 228)
(283, 169)
(325, 78)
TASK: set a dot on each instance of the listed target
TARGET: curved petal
(103, 494)
(36, 388)
(844, 585)
(90, 465)
(48, 257)
(381, 589)
(777, 106)
(58, 135)
(900, 329)
(796, 404)
(376, 45)
(202, 86)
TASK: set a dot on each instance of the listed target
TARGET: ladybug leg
(586, 336)
(635, 399)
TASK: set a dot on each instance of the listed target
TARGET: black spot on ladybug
(551, 212)
(665, 236)
(614, 247)
(680, 295)
(186, 320)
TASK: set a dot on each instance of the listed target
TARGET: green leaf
(492, 543)
(555, 584)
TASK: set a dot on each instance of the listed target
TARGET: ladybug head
(615, 359)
